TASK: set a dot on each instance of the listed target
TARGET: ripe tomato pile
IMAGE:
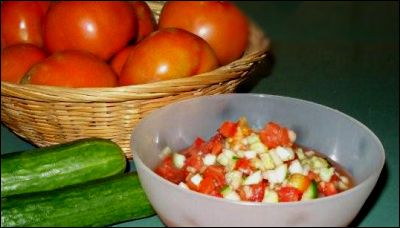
(116, 43)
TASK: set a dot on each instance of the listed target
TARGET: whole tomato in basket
(167, 54)
(146, 23)
(102, 27)
(220, 23)
(21, 22)
(71, 68)
(119, 59)
(17, 59)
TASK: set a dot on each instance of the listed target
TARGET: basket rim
(149, 90)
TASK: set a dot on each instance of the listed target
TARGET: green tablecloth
(341, 54)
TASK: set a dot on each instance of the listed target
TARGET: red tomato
(102, 27)
(207, 186)
(221, 24)
(274, 135)
(17, 59)
(289, 194)
(257, 192)
(145, 19)
(21, 22)
(217, 173)
(299, 181)
(44, 5)
(72, 69)
(120, 58)
(228, 129)
(195, 162)
(167, 54)
(168, 171)
(195, 148)
(243, 165)
(327, 188)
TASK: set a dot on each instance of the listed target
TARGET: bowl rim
(375, 174)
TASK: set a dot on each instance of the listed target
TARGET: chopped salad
(242, 164)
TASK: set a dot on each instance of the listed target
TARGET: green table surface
(344, 55)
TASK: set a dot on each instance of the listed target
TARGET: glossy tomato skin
(21, 22)
(72, 68)
(119, 59)
(102, 28)
(17, 59)
(220, 23)
(167, 54)
(146, 23)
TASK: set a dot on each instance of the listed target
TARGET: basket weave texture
(46, 115)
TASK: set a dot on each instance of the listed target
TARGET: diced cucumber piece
(318, 162)
(311, 192)
(234, 179)
(257, 164)
(165, 152)
(267, 161)
(275, 157)
(259, 147)
(178, 160)
(230, 194)
(300, 154)
(253, 138)
(326, 173)
(254, 178)
(270, 196)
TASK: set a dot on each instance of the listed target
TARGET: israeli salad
(242, 164)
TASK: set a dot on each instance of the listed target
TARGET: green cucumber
(48, 168)
(97, 203)
(311, 192)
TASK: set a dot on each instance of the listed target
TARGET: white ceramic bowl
(342, 138)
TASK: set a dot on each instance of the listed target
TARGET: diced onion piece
(277, 175)
(179, 160)
(295, 167)
(209, 159)
(285, 153)
(183, 185)
(196, 179)
(292, 136)
(249, 154)
(254, 178)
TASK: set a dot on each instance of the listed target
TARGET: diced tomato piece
(289, 194)
(243, 165)
(334, 178)
(190, 184)
(194, 161)
(274, 135)
(217, 173)
(228, 129)
(168, 171)
(327, 188)
(299, 181)
(207, 186)
(313, 176)
(198, 142)
(257, 192)
(214, 145)
(195, 148)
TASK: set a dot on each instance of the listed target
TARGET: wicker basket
(46, 115)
